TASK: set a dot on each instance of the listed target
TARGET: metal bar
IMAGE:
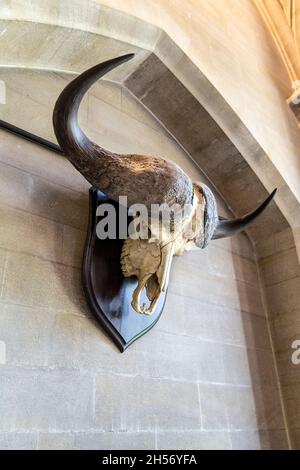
(29, 136)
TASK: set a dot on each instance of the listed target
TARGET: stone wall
(280, 274)
(204, 377)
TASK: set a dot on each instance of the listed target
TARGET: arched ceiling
(165, 80)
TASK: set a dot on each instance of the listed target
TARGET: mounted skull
(144, 180)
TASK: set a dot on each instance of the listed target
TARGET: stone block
(291, 398)
(201, 319)
(113, 135)
(295, 439)
(197, 440)
(109, 92)
(23, 154)
(115, 440)
(189, 282)
(285, 330)
(56, 441)
(32, 281)
(225, 325)
(275, 244)
(255, 331)
(288, 372)
(35, 92)
(130, 404)
(78, 342)
(117, 403)
(40, 197)
(262, 368)
(26, 332)
(169, 405)
(26, 233)
(73, 246)
(2, 352)
(28, 37)
(280, 267)
(241, 408)
(135, 109)
(214, 407)
(259, 440)
(283, 297)
(240, 245)
(223, 263)
(35, 117)
(245, 440)
(275, 439)
(248, 366)
(37, 399)
(173, 318)
(210, 363)
(236, 365)
(179, 357)
(268, 406)
(2, 268)
(18, 440)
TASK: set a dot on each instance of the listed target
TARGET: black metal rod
(32, 137)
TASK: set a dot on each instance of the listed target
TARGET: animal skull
(150, 260)
(144, 180)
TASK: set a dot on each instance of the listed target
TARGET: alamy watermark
(296, 354)
(156, 223)
(2, 92)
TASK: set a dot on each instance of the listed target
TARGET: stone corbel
(282, 18)
(294, 101)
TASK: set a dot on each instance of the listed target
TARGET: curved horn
(135, 176)
(65, 115)
(227, 228)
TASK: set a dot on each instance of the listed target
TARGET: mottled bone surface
(150, 260)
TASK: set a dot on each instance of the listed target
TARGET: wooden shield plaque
(107, 291)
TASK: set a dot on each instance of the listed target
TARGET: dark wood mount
(107, 291)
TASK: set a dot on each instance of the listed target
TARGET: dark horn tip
(273, 192)
(123, 58)
(226, 228)
(270, 197)
(128, 56)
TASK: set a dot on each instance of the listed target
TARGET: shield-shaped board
(107, 291)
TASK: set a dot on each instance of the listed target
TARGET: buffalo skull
(146, 180)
